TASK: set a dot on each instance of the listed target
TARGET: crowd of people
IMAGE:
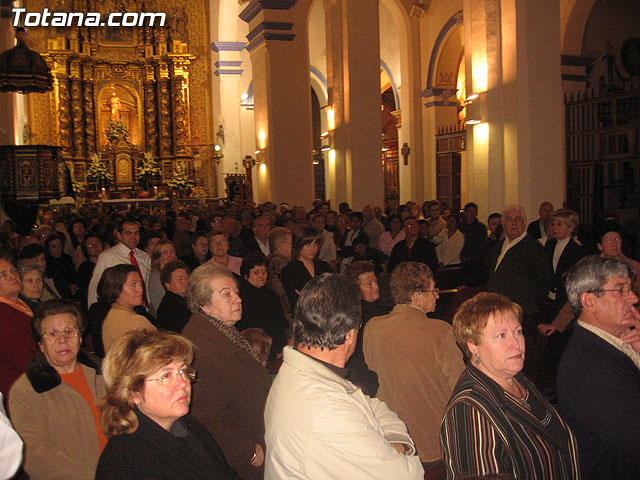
(308, 337)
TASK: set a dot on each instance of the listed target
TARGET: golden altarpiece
(153, 81)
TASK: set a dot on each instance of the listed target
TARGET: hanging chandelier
(22, 70)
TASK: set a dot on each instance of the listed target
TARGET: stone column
(353, 77)
(279, 52)
(515, 155)
(228, 69)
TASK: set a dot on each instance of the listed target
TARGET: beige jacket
(418, 364)
(56, 425)
(119, 321)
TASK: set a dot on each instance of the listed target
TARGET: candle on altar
(155, 190)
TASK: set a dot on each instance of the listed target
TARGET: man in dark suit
(260, 242)
(520, 270)
(598, 379)
(536, 228)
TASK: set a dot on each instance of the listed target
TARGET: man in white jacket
(318, 424)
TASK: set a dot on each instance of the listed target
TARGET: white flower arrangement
(179, 179)
(98, 170)
(148, 169)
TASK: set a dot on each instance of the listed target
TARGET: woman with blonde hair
(145, 413)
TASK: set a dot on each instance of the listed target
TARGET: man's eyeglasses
(623, 291)
(170, 378)
(435, 291)
(67, 333)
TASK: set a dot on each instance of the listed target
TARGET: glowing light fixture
(331, 120)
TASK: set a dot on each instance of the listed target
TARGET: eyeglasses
(624, 291)
(169, 379)
(218, 242)
(67, 333)
(435, 291)
(14, 271)
(612, 240)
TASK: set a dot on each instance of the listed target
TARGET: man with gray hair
(598, 381)
(521, 270)
(319, 424)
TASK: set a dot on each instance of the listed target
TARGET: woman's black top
(186, 452)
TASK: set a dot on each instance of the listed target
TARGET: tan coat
(119, 321)
(418, 364)
(57, 425)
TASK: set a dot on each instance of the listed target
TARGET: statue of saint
(114, 105)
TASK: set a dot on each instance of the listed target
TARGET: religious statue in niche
(119, 106)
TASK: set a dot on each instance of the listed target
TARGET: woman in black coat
(151, 434)
(261, 306)
(304, 264)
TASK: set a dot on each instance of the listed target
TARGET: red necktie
(135, 263)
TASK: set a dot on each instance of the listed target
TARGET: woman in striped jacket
(497, 421)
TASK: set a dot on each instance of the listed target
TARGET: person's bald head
(546, 210)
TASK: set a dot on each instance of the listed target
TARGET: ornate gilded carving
(179, 116)
(90, 122)
(164, 114)
(166, 69)
(150, 117)
(77, 117)
(64, 117)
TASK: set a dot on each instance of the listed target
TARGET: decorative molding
(439, 103)
(228, 63)
(227, 46)
(576, 60)
(257, 6)
(432, 92)
(264, 26)
(219, 72)
(265, 31)
(575, 78)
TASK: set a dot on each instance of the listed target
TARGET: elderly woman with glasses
(232, 389)
(16, 345)
(416, 358)
(53, 405)
(145, 413)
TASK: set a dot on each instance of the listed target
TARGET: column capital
(269, 31)
(227, 46)
(257, 6)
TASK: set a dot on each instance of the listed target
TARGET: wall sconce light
(384, 148)
(248, 162)
(469, 100)
(475, 109)
(217, 154)
(259, 157)
(325, 148)
(331, 119)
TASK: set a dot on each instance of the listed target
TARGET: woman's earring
(476, 358)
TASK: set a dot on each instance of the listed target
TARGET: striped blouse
(486, 430)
